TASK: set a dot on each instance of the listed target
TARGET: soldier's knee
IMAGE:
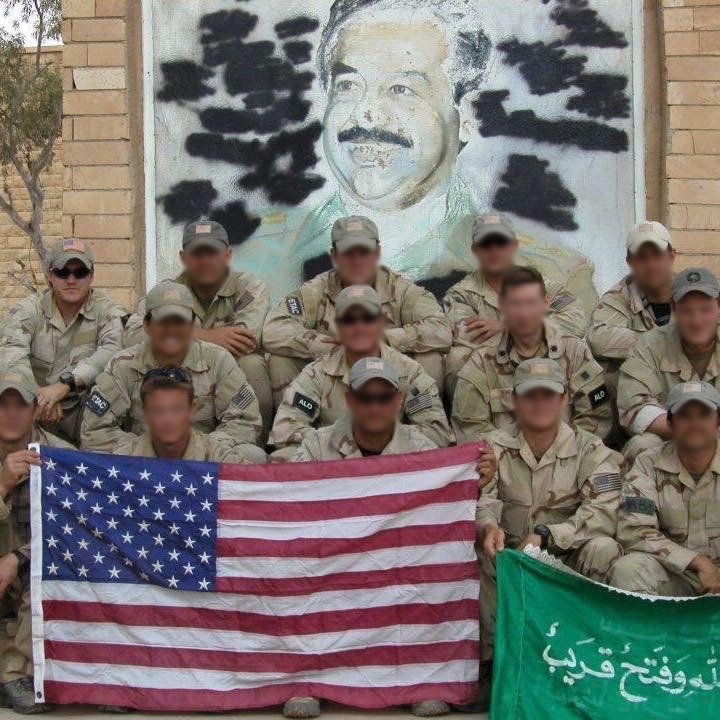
(599, 556)
(638, 444)
(638, 572)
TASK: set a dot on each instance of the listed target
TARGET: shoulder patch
(423, 401)
(96, 403)
(562, 301)
(243, 397)
(243, 301)
(611, 482)
(640, 505)
(305, 404)
(294, 305)
(599, 396)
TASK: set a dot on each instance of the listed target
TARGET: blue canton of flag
(107, 518)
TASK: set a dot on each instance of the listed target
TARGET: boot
(430, 708)
(482, 701)
(302, 707)
(20, 696)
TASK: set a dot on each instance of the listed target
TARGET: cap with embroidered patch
(354, 231)
(19, 383)
(372, 368)
(491, 224)
(696, 279)
(538, 373)
(358, 296)
(649, 231)
(205, 233)
(63, 251)
(694, 391)
(169, 299)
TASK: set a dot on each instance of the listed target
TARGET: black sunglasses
(77, 273)
(493, 241)
(382, 398)
(365, 319)
(171, 373)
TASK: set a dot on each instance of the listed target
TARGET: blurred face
(374, 407)
(71, 284)
(696, 317)
(391, 129)
(169, 337)
(539, 409)
(524, 308)
(168, 415)
(16, 417)
(694, 427)
(496, 254)
(206, 266)
(357, 266)
(652, 267)
(360, 331)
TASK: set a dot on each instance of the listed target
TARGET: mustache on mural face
(358, 134)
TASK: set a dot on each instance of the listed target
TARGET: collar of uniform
(638, 302)
(228, 289)
(667, 460)
(674, 359)
(564, 446)
(51, 312)
(552, 341)
(144, 446)
(480, 286)
(341, 437)
(145, 360)
(337, 364)
(383, 286)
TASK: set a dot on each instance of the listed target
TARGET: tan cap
(204, 233)
(538, 373)
(354, 231)
(19, 383)
(697, 279)
(648, 232)
(63, 251)
(492, 224)
(169, 299)
(372, 368)
(358, 296)
(694, 391)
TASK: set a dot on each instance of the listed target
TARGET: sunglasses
(383, 398)
(171, 373)
(65, 273)
(494, 241)
(365, 319)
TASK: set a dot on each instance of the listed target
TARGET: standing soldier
(316, 398)
(302, 326)
(556, 488)
(473, 305)
(225, 407)
(63, 338)
(686, 349)
(669, 523)
(483, 397)
(229, 306)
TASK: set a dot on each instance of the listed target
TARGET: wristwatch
(23, 561)
(544, 532)
(67, 378)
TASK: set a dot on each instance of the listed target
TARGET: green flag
(567, 648)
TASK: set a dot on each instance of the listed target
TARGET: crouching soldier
(669, 522)
(556, 488)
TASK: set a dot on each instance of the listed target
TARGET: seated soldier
(371, 427)
(556, 488)
(316, 398)
(686, 349)
(62, 338)
(483, 399)
(168, 402)
(18, 403)
(229, 306)
(302, 326)
(225, 404)
(472, 306)
(668, 523)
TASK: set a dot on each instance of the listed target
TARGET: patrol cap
(372, 368)
(694, 391)
(492, 224)
(169, 299)
(358, 296)
(354, 231)
(648, 232)
(696, 279)
(63, 251)
(538, 373)
(205, 233)
(18, 383)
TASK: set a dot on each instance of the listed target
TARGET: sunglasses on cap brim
(170, 373)
(78, 273)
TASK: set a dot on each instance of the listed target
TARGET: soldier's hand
(8, 571)
(534, 540)
(708, 575)
(479, 330)
(330, 340)
(493, 541)
(236, 339)
(50, 395)
(17, 466)
(487, 466)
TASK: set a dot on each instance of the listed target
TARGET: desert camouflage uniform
(36, 342)
(483, 399)
(316, 398)
(242, 301)
(294, 330)
(574, 489)
(225, 404)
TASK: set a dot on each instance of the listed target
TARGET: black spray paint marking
(188, 200)
(184, 80)
(585, 26)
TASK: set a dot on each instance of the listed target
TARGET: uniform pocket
(673, 518)
(712, 515)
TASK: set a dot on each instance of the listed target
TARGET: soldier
(686, 349)
(302, 326)
(225, 404)
(63, 337)
(18, 404)
(168, 402)
(316, 398)
(483, 397)
(473, 306)
(669, 523)
(230, 306)
(556, 488)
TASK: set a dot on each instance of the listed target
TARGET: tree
(30, 120)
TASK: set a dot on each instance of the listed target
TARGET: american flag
(180, 586)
